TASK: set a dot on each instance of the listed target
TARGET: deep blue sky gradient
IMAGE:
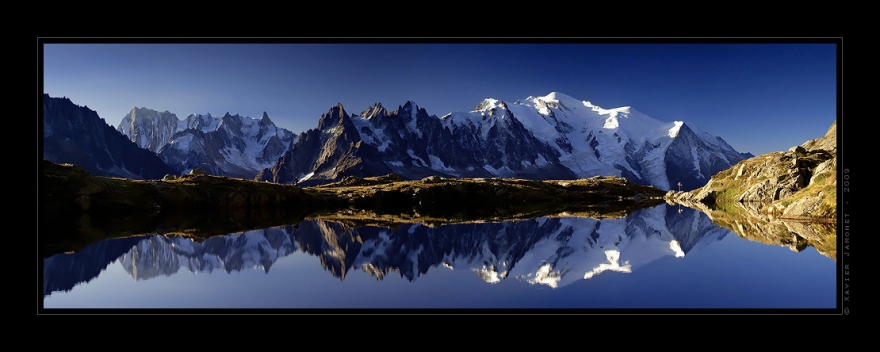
(760, 97)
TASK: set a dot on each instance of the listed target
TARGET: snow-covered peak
(145, 116)
(577, 120)
(560, 101)
(673, 132)
(482, 120)
(614, 116)
(557, 97)
(486, 104)
(558, 108)
(147, 113)
(708, 138)
(550, 97)
(148, 128)
(622, 111)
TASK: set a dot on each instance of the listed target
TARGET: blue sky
(759, 96)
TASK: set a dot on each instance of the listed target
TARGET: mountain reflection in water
(545, 252)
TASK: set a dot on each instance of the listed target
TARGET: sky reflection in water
(655, 258)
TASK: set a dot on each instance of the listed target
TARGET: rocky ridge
(800, 183)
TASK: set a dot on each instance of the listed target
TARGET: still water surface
(656, 258)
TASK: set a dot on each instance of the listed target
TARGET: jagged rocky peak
(150, 112)
(150, 117)
(229, 117)
(198, 121)
(139, 125)
(332, 117)
(409, 108)
(373, 111)
(143, 118)
(265, 122)
(490, 107)
(232, 122)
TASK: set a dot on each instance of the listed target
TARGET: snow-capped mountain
(549, 137)
(625, 142)
(150, 129)
(230, 145)
(77, 135)
(542, 251)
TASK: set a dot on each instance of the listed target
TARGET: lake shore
(84, 208)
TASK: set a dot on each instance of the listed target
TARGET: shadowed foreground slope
(77, 208)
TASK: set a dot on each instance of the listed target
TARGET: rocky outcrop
(827, 142)
(704, 195)
(781, 174)
(799, 183)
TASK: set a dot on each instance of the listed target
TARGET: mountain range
(230, 145)
(547, 137)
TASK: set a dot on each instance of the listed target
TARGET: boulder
(804, 207)
(825, 166)
(392, 177)
(432, 179)
(351, 181)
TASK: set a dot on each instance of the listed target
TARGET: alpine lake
(653, 257)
